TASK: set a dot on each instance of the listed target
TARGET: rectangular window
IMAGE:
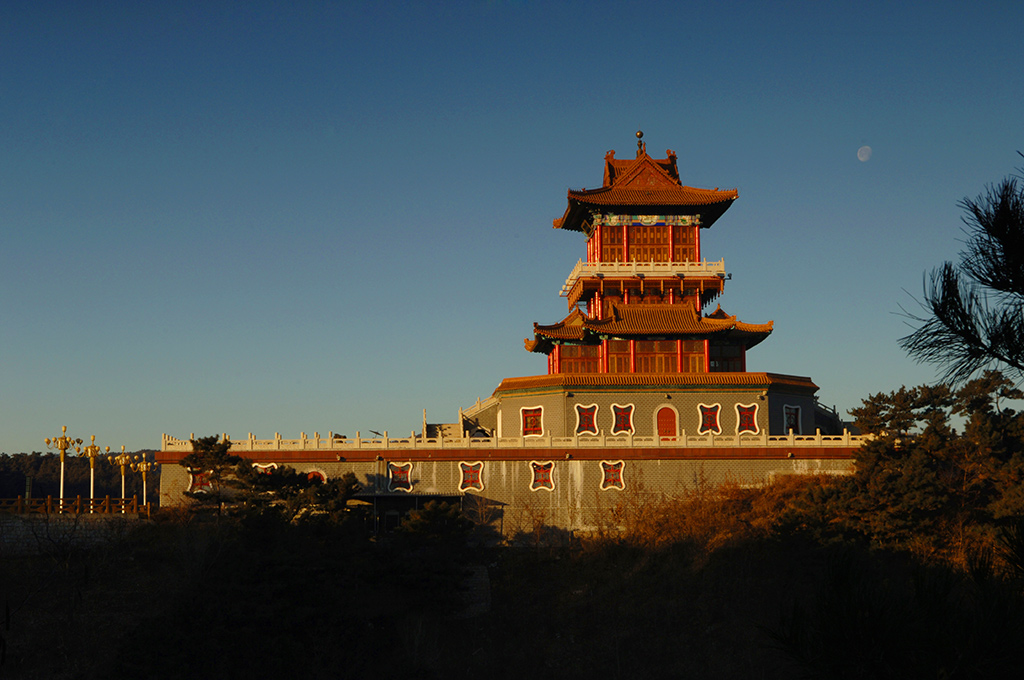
(533, 421)
(684, 244)
(611, 244)
(648, 243)
(656, 356)
(726, 357)
(791, 415)
(618, 356)
(580, 358)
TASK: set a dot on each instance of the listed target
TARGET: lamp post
(92, 451)
(122, 459)
(62, 444)
(143, 466)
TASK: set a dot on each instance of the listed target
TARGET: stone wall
(36, 534)
(578, 496)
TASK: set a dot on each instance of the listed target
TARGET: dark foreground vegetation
(38, 475)
(910, 568)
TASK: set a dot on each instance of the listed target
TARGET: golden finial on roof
(641, 148)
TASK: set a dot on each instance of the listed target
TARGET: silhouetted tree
(976, 307)
(212, 462)
(295, 495)
(920, 481)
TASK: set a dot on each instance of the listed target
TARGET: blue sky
(329, 216)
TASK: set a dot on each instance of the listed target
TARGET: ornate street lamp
(124, 460)
(92, 451)
(62, 444)
(143, 466)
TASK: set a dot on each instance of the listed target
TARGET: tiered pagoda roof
(646, 321)
(643, 185)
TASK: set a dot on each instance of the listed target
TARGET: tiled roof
(682, 196)
(655, 380)
(639, 321)
(616, 168)
(643, 182)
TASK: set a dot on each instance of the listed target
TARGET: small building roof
(644, 185)
(639, 321)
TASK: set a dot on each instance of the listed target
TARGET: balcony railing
(684, 440)
(680, 269)
(74, 506)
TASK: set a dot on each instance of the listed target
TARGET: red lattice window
(791, 414)
(622, 419)
(684, 244)
(472, 476)
(400, 477)
(746, 418)
(533, 421)
(648, 243)
(611, 244)
(580, 358)
(656, 356)
(709, 422)
(542, 477)
(618, 356)
(199, 482)
(612, 475)
(586, 419)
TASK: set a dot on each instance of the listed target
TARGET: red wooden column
(625, 243)
(671, 242)
(632, 356)
(603, 355)
(679, 356)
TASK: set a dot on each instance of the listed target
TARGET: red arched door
(666, 422)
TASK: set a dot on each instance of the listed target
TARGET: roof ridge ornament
(641, 146)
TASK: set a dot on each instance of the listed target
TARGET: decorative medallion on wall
(400, 477)
(586, 419)
(746, 418)
(199, 482)
(709, 418)
(542, 477)
(264, 468)
(472, 476)
(612, 471)
(316, 474)
(622, 419)
(533, 421)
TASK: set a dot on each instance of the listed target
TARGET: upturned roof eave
(579, 210)
(546, 337)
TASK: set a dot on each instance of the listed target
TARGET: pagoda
(638, 351)
(646, 386)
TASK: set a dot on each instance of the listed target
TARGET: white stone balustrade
(680, 269)
(331, 443)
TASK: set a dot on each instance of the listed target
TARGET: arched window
(667, 422)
